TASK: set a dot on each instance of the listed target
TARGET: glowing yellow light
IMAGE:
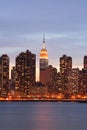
(78, 96)
(73, 97)
(43, 54)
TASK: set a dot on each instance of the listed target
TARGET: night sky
(64, 23)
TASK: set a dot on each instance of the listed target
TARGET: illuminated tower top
(43, 55)
(43, 52)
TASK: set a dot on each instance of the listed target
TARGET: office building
(25, 73)
(4, 75)
(83, 82)
(51, 78)
(65, 67)
(73, 82)
(85, 62)
(43, 62)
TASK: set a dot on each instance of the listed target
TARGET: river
(43, 116)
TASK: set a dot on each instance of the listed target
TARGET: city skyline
(41, 55)
(64, 23)
(69, 82)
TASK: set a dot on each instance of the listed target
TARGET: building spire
(44, 44)
(43, 38)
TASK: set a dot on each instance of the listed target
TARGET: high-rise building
(4, 75)
(85, 62)
(51, 78)
(65, 64)
(65, 67)
(25, 73)
(83, 82)
(0, 76)
(83, 78)
(13, 77)
(73, 81)
(59, 83)
(43, 62)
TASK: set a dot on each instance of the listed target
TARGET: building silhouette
(51, 79)
(13, 78)
(73, 82)
(85, 62)
(4, 75)
(65, 67)
(43, 62)
(65, 63)
(25, 73)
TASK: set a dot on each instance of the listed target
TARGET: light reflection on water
(43, 116)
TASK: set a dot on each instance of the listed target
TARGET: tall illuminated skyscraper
(4, 75)
(43, 62)
(85, 62)
(65, 64)
(25, 72)
(65, 68)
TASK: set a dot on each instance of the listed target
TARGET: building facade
(25, 73)
(73, 82)
(83, 82)
(13, 78)
(43, 62)
(51, 79)
(85, 62)
(65, 67)
(4, 75)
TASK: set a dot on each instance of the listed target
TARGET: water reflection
(43, 116)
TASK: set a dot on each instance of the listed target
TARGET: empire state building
(43, 62)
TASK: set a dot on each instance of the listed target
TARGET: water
(43, 116)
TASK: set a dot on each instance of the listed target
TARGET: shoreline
(51, 100)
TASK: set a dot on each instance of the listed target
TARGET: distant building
(65, 67)
(85, 62)
(38, 91)
(83, 78)
(43, 63)
(83, 82)
(25, 73)
(65, 64)
(73, 82)
(13, 78)
(51, 78)
(59, 83)
(4, 75)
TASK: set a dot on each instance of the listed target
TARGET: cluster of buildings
(67, 82)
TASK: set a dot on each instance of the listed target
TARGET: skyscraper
(43, 62)
(83, 78)
(65, 67)
(25, 72)
(51, 78)
(85, 62)
(13, 77)
(65, 64)
(4, 75)
(83, 82)
(73, 81)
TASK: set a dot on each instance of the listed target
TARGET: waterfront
(43, 116)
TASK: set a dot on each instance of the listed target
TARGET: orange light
(44, 54)
(73, 97)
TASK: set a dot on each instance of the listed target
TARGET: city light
(69, 84)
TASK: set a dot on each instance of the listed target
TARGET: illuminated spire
(44, 45)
